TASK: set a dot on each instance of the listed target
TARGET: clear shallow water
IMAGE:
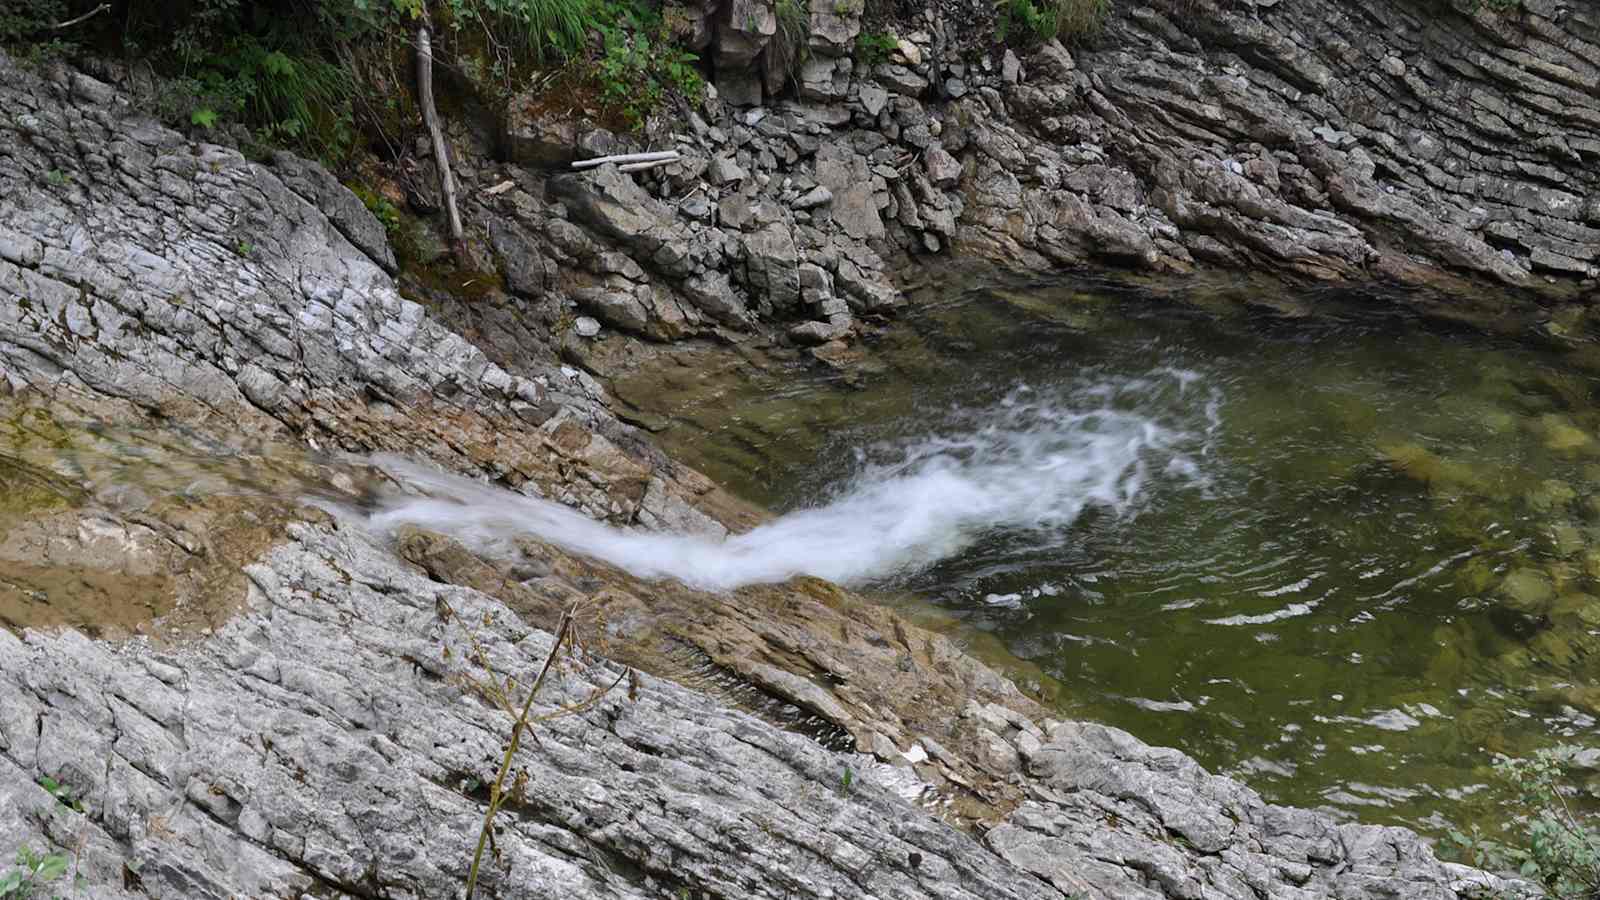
(1348, 557)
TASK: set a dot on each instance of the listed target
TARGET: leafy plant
(1558, 849)
(32, 872)
(638, 64)
(62, 793)
(1025, 23)
(381, 208)
(873, 47)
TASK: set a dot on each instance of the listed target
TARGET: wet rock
(1527, 591)
(770, 261)
(820, 332)
(1234, 844)
(713, 293)
(235, 744)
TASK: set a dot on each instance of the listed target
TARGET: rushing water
(1027, 465)
(1347, 557)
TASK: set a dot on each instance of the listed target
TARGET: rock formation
(330, 731)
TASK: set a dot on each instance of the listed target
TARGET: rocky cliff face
(329, 732)
(1423, 142)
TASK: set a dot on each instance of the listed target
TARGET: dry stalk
(564, 637)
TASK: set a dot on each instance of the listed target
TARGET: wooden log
(662, 156)
(641, 166)
(441, 156)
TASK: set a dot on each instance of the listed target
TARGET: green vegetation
(1026, 23)
(1558, 849)
(638, 64)
(791, 43)
(873, 47)
(33, 872)
(327, 77)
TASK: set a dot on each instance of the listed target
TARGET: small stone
(815, 197)
(818, 332)
(1010, 68)
(723, 170)
(943, 169)
(586, 326)
(873, 98)
(908, 51)
(955, 87)
(696, 208)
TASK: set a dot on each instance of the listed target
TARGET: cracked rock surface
(333, 737)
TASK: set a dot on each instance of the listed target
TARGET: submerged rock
(1527, 591)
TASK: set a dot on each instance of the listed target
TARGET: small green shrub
(638, 64)
(873, 47)
(1558, 849)
(381, 208)
(32, 873)
(1025, 23)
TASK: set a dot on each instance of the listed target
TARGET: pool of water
(1338, 551)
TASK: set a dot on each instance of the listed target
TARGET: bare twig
(521, 725)
(71, 22)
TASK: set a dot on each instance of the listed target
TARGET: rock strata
(1443, 145)
(334, 737)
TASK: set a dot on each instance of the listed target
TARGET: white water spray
(1029, 464)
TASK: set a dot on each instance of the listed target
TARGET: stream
(1325, 545)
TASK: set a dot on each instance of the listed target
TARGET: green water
(1385, 573)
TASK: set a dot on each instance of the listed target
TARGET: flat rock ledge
(329, 742)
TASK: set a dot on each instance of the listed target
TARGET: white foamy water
(1028, 466)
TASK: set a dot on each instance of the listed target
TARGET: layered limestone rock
(335, 736)
(1436, 144)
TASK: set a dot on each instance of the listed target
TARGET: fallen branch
(659, 156)
(71, 22)
(441, 158)
(641, 166)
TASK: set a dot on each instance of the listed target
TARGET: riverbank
(331, 726)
